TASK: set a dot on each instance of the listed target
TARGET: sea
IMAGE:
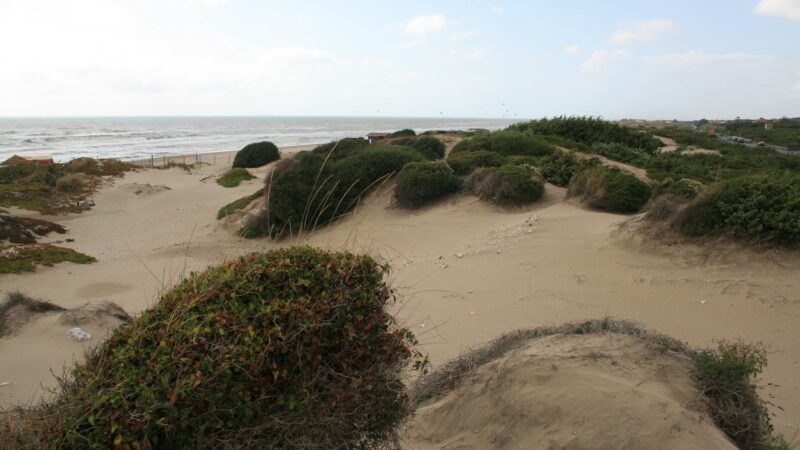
(136, 138)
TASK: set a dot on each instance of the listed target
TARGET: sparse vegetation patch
(25, 257)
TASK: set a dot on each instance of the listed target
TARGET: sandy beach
(465, 272)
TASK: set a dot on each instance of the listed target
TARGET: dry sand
(569, 391)
(466, 272)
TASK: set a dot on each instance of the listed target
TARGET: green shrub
(430, 147)
(292, 348)
(560, 167)
(421, 183)
(761, 207)
(683, 189)
(315, 192)
(590, 131)
(506, 143)
(82, 165)
(610, 189)
(403, 133)
(25, 257)
(256, 155)
(238, 204)
(234, 177)
(341, 148)
(726, 377)
(465, 163)
(507, 185)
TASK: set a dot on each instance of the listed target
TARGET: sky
(674, 59)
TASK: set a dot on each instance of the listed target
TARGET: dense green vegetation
(234, 177)
(506, 143)
(318, 189)
(430, 147)
(25, 257)
(341, 148)
(507, 185)
(784, 132)
(256, 155)
(424, 182)
(590, 131)
(464, 163)
(610, 189)
(560, 167)
(407, 132)
(26, 230)
(765, 208)
(292, 348)
(238, 204)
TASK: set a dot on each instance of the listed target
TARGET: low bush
(682, 189)
(506, 143)
(506, 185)
(430, 147)
(82, 165)
(403, 133)
(238, 204)
(317, 190)
(421, 183)
(590, 131)
(72, 183)
(234, 177)
(341, 148)
(610, 189)
(256, 155)
(765, 208)
(560, 167)
(726, 376)
(25, 257)
(290, 349)
(465, 163)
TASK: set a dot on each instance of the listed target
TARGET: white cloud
(206, 3)
(599, 61)
(644, 31)
(422, 26)
(497, 9)
(572, 50)
(789, 9)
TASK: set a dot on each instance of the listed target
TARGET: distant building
(767, 125)
(28, 160)
(375, 137)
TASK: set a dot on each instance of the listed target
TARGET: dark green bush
(238, 204)
(761, 207)
(507, 185)
(465, 163)
(256, 155)
(590, 130)
(421, 183)
(506, 143)
(403, 133)
(560, 167)
(683, 189)
(430, 147)
(315, 192)
(610, 189)
(234, 177)
(341, 148)
(292, 348)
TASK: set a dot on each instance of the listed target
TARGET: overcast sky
(618, 59)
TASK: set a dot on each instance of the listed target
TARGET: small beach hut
(375, 137)
(28, 160)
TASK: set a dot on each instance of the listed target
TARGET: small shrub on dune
(317, 191)
(82, 165)
(560, 167)
(234, 177)
(507, 185)
(256, 155)
(506, 143)
(465, 163)
(292, 349)
(407, 132)
(430, 147)
(683, 189)
(341, 148)
(72, 183)
(761, 207)
(610, 189)
(421, 183)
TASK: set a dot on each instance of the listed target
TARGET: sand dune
(465, 272)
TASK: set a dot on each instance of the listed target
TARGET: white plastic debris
(459, 255)
(5, 383)
(78, 334)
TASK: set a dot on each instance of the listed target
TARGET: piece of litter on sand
(702, 302)
(78, 334)
(5, 383)
(499, 252)
(459, 255)
(469, 291)
(472, 313)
